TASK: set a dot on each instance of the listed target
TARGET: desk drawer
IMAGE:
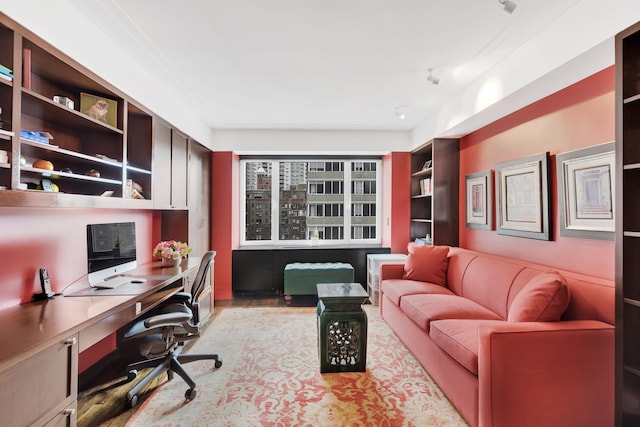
(41, 387)
(106, 327)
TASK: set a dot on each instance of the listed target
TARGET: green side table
(342, 327)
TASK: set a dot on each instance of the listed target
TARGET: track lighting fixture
(432, 78)
(507, 5)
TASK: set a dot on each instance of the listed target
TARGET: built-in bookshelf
(628, 226)
(434, 192)
(86, 160)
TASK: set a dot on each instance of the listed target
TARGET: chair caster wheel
(218, 363)
(190, 394)
(131, 375)
(169, 375)
(132, 401)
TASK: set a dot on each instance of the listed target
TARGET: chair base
(169, 363)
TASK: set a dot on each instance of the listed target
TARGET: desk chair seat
(160, 337)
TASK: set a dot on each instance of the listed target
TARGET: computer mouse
(138, 280)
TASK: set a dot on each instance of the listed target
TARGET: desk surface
(31, 327)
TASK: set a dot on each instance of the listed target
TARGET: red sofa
(506, 347)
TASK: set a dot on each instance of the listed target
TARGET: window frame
(347, 184)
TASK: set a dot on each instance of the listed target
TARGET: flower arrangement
(171, 249)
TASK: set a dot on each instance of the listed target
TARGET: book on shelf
(5, 70)
(5, 77)
(36, 136)
(26, 68)
(425, 186)
(6, 132)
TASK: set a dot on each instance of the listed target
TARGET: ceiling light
(507, 5)
(432, 78)
(400, 114)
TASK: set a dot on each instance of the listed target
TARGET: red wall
(578, 116)
(396, 209)
(55, 239)
(225, 217)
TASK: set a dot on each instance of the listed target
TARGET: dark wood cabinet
(628, 226)
(132, 160)
(43, 387)
(435, 168)
(261, 271)
(171, 165)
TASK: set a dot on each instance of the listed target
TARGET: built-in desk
(41, 341)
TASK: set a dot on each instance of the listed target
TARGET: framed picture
(426, 165)
(522, 191)
(479, 192)
(102, 109)
(586, 182)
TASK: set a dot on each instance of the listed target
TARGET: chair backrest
(199, 283)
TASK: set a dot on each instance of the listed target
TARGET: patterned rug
(270, 377)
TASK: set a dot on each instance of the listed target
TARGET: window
(290, 200)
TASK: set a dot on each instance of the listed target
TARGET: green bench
(301, 278)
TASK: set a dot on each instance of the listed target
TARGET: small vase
(170, 262)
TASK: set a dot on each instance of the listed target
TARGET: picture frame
(426, 165)
(99, 108)
(586, 192)
(522, 191)
(479, 200)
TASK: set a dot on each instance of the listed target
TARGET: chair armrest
(391, 271)
(546, 373)
(167, 319)
(180, 297)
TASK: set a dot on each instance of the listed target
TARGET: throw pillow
(426, 263)
(543, 299)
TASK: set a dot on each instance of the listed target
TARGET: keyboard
(112, 282)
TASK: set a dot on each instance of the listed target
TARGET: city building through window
(297, 201)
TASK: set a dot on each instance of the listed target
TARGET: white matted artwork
(479, 188)
(522, 191)
(586, 183)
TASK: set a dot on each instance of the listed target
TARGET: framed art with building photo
(522, 191)
(586, 183)
(479, 192)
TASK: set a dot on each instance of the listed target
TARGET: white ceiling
(339, 65)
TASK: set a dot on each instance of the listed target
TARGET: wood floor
(101, 397)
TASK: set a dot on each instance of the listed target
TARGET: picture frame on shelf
(426, 165)
(586, 196)
(479, 197)
(100, 108)
(522, 191)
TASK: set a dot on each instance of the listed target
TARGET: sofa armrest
(391, 271)
(543, 374)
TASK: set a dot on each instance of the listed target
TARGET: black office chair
(160, 337)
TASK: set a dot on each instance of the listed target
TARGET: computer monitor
(111, 250)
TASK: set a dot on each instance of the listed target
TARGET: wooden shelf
(423, 172)
(442, 154)
(55, 149)
(627, 44)
(37, 105)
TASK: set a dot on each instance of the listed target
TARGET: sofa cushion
(543, 299)
(459, 339)
(422, 309)
(426, 263)
(395, 289)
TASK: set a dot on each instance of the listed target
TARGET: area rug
(270, 377)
